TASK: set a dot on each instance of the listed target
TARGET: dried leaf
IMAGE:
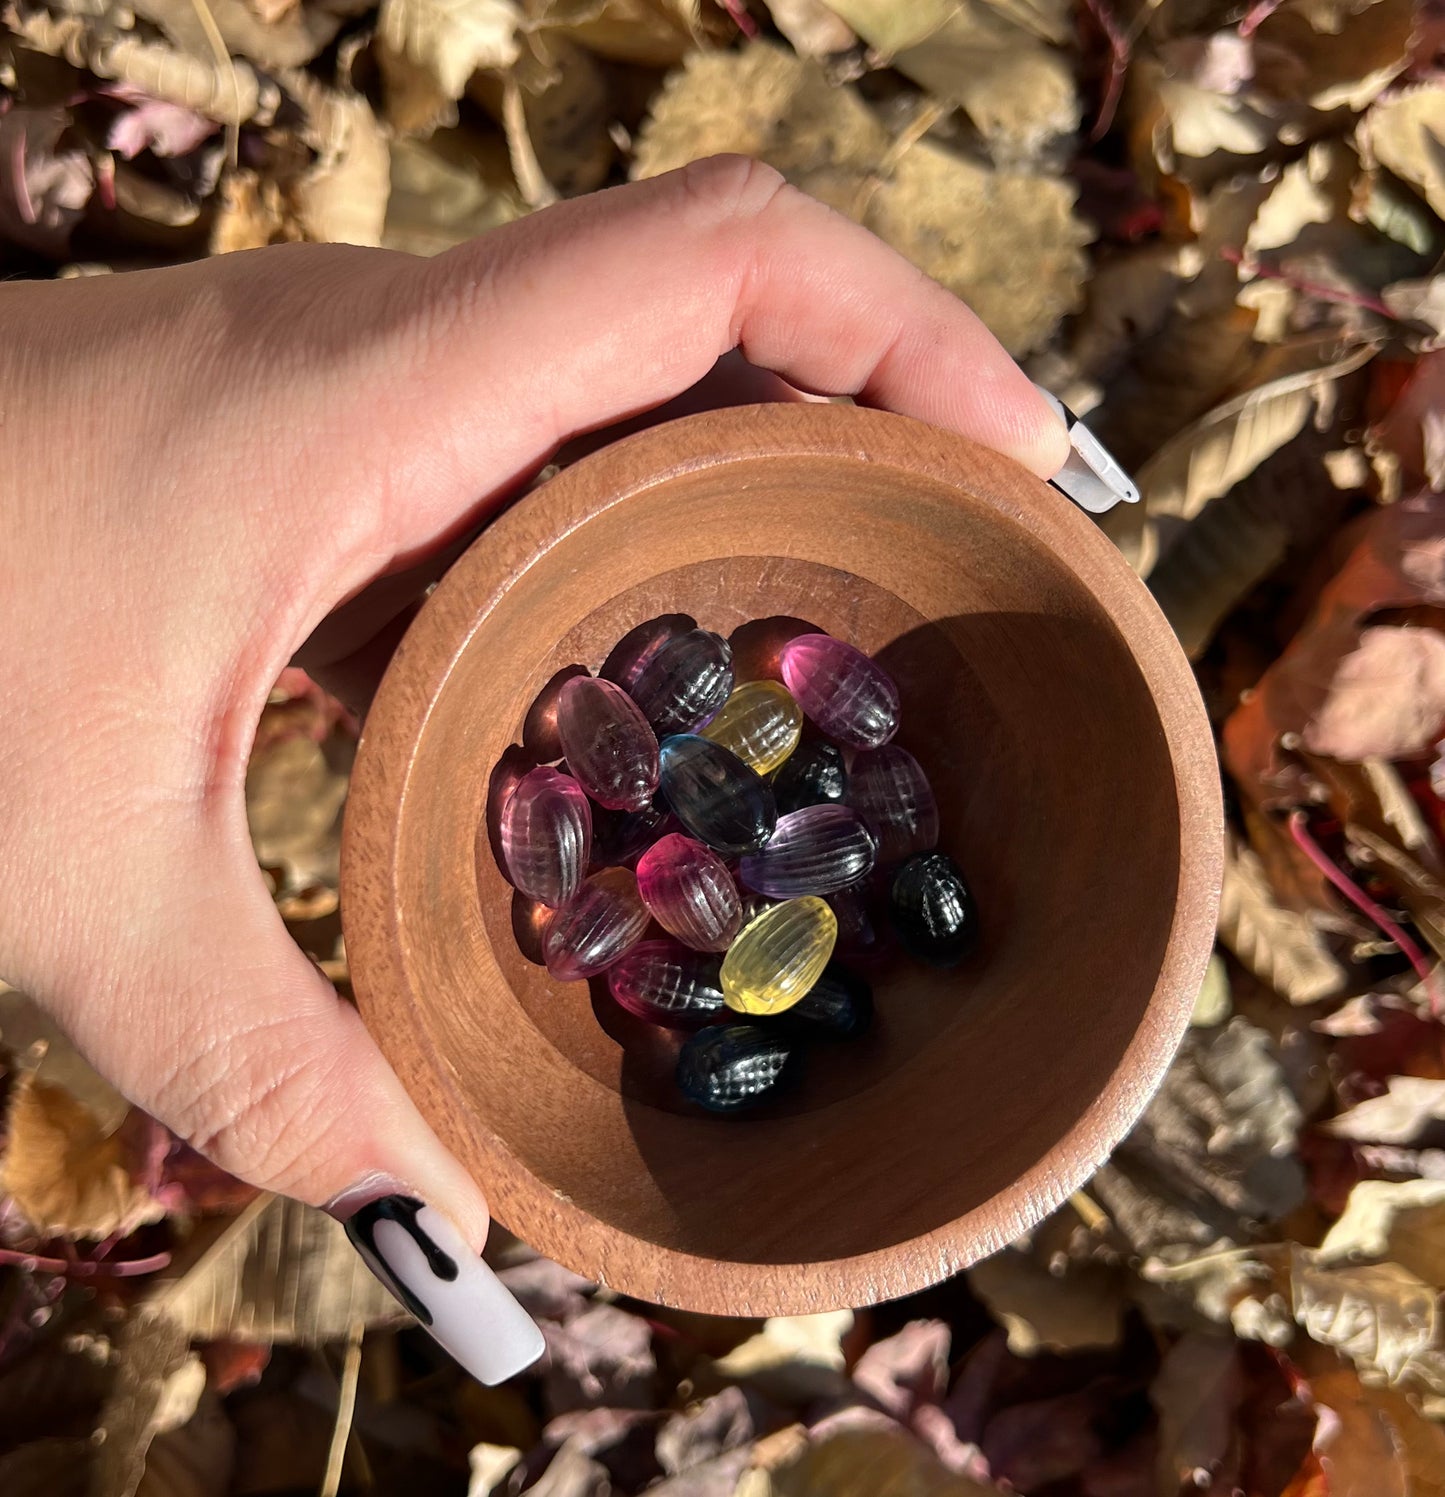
(1379, 1316)
(1398, 563)
(1404, 133)
(763, 102)
(1197, 1392)
(279, 1273)
(342, 198)
(428, 49)
(1371, 1441)
(1406, 1112)
(1402, 1221)
(443, 192)
(604, 1355)
(1214, 1155)
(653, 33)
(28, 1031)
(1208, 458)
(907, 1368)
(66, 1176)
(294, 793)
(812, 27)
(1386, 699)
(1080, 1307)
(490, 1466)
(43, 188)
(1203, 98)
(154, 125)
(196, 1460)
(881, 1461)
(794, 1358)
(1282, 947)
(156, 1388)
(695, 1435)
(1215, 1002)
(565, 109)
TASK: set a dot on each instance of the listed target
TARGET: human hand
(210, 469)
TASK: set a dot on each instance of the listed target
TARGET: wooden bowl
(1059, 722)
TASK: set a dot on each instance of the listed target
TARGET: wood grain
(1058, 719)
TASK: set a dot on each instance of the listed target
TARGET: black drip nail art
(403, 1210)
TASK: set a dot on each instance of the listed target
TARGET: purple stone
(546, 833)
(686, 683)
(812, 851)
(610, 749)
(850, 697)
(890, 791)
(605, 920)
(665, 983)
(690, 893)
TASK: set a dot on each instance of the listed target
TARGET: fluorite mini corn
(766, 827)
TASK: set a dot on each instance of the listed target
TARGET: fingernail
(1090, 477)
(422, 1258)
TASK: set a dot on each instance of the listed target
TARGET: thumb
(245, 1050)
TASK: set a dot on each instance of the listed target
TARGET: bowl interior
(1058, 793)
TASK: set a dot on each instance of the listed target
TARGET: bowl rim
(514, 541)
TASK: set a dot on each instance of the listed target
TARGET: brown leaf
(766, 103)
(652, 33)
(881, 1461)
(156, 1388)
(251, 214)
(1386, 699)
(66, 1176)
(280, 1272)
(694, 1435)
(907, 1368)
(194, 1460)
(294, 793)
(1047, 1311)
(28, 1031)
(602, 1356)
(342, 197)
(1398, 563)
(1197, 1392)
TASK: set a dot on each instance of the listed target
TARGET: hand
(202, 466)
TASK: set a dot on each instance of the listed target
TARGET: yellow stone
(760, 722)
(778, 957)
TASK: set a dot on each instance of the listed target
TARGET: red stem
(82, 1268)
(1312, 288)
(1366, 906)
(1118, 65)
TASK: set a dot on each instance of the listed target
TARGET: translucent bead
(686, 682)
(779, 956)
(546, 835)
(815, 775)
(812, 851)
(715, 795)
(760, 722)
(611, 751)
(690, 893)
(850, 697)
(890, 791)
(839, 1004)
(606, 919)
(853, 906)
(728, 1067)
(620, 836)
(665, 983)
(639, 647)
(933, 910)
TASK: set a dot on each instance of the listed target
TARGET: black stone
(814, 774)
(932, 910)
(717, 798)
(728, 1067)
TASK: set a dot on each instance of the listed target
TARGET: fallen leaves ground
(1215, 229)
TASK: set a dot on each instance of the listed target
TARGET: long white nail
(417, 1253)
(1090, 477)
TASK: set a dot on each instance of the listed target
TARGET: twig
(345, 1411)
(84, 1268)
(1366, 906)
(1119, 49)
(1093, 1216)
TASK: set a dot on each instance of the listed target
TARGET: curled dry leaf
(1281, 946)
(428, 49)
(288, 43)
(812, 27)
(445, 191)
(1380, 1316)
(43, 187)
(653, 33)
(1386, 699)
(1399, 562)
(604, 1355)
(1410, 1108)
(295, 788)
(342, 197)
(879, 1460)
(66, 1176)
(763, 102)
(794, 1358)
(1403, 133)
(1402, 1222)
